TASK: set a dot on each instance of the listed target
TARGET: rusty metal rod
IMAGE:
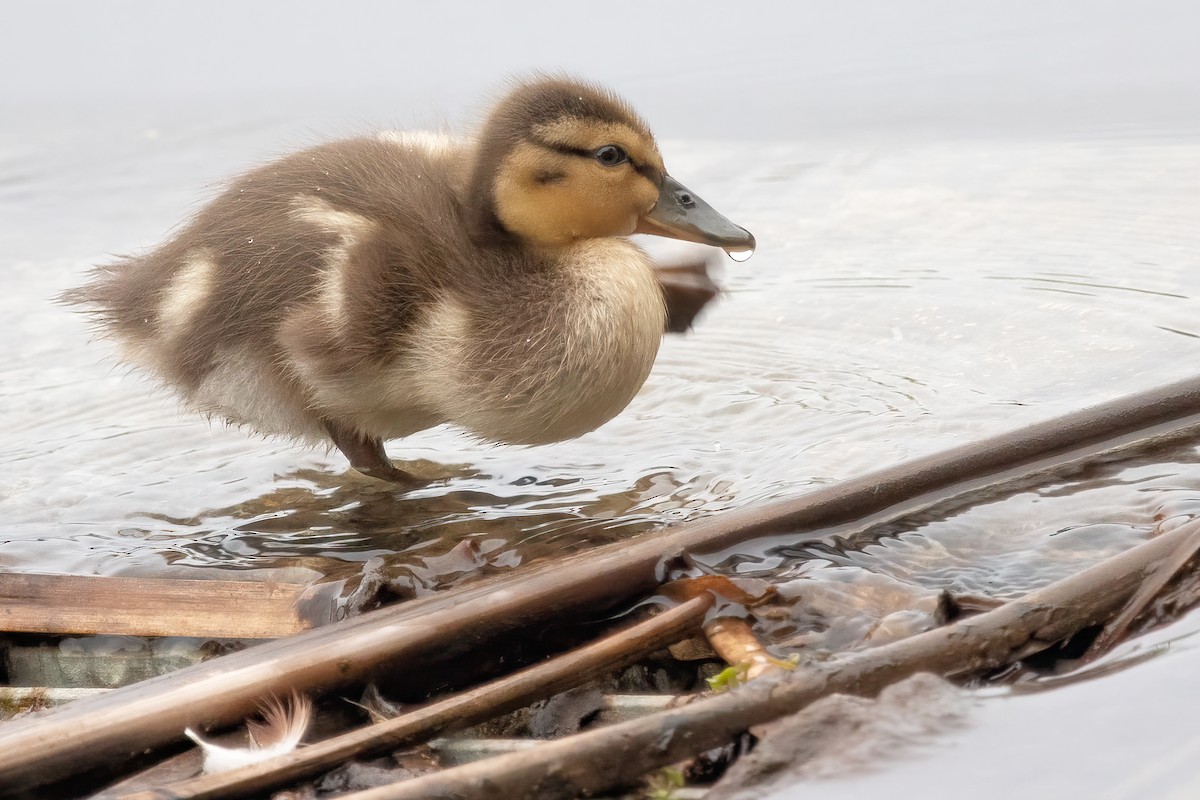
(127, 722)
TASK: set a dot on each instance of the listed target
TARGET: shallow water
(923, 279)
(902, 301)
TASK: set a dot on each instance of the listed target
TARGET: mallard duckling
(369, 288)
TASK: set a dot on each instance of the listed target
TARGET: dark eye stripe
(567, 149)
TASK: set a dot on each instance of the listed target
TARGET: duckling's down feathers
(517, 118)
(343, 283)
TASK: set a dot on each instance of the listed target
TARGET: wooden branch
(100, 732)
(452, 713)
(1155, 582)
(89, 604)
(608, 758)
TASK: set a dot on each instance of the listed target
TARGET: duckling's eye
(610, 155)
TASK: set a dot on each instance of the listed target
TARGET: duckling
(369, 288)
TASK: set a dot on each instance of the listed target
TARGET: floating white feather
(283, 726)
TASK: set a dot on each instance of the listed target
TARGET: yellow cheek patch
(583, 201)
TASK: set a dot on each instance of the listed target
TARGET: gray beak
(681, 214)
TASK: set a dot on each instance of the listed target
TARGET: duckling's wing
(307, 267)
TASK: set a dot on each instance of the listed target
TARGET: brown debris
(615, 756)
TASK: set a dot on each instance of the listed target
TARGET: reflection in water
(438, 535)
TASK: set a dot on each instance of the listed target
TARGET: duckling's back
(302, 269)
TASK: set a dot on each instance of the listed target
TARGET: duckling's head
(561, 160)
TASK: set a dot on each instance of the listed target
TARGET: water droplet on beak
(740, 255)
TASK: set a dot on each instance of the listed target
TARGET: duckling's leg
(366, 454)
(686, 288)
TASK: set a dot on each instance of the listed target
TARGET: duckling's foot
(366, 454)
(687, 288)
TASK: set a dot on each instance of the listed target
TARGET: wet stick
(617, 756)
(1114, 631)
(97, 734)
(91, 604)
(441, 716)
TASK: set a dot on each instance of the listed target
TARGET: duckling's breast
(545, 356)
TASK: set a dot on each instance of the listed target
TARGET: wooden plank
(89, 604)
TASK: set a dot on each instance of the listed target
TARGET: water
(967, 221)
(740, 256)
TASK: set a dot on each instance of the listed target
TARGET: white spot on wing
(188, 291)
(352, 229)
(316, 211)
